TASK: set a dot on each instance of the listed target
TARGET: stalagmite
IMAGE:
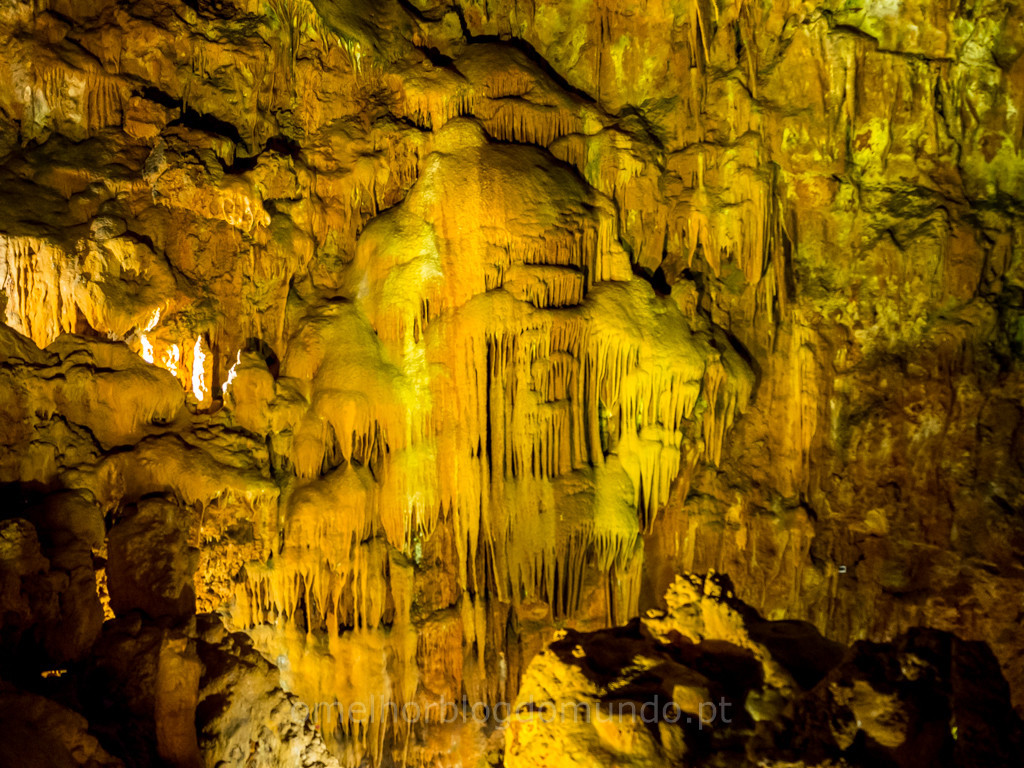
(37, 280)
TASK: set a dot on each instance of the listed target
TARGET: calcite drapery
(454, 381)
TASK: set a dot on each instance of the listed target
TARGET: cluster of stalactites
(330, 571)
(500, 96)
(552, 269)
(727, 211)
(729, 214)
(527, 123)
(432, 108)
(340, 609)
(316, 593)
(531, 397)
(535, 402)
(46, 296)
(79, 101)
(538, 397)
(619, 166)
(38, 285)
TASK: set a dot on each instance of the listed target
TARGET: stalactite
(526, 123)
(89, 99)
(432, 107)
(624, 169)
(729, 214)
(38, 279)
(807, 393)
(513, 384)
(718, 414)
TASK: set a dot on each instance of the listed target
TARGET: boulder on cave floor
(709, 682)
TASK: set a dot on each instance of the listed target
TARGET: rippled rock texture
(398, 336)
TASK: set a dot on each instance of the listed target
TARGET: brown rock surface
(39, 733)
(191, 695)
(149, 566)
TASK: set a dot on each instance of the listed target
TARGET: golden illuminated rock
(403, 336)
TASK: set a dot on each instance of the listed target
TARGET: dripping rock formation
(363, 361)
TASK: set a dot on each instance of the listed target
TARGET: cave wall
(402, 334)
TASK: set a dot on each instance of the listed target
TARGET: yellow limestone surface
(491, 365)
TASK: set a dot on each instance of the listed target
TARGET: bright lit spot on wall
(147, 349)
(153, 320)
(147, 345)
(171, 360)
(232, 372)
(199, 370)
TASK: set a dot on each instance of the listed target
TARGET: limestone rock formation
(708, 682)
(399, 336)
(193, 695)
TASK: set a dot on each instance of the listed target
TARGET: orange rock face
(403, 335)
